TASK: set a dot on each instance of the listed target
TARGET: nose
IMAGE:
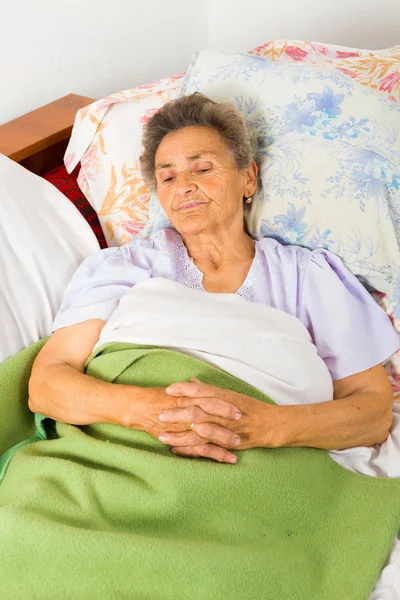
(185, 184)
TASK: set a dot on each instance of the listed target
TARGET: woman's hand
(261, 424)
(151, 403)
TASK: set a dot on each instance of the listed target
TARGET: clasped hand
(208, 421)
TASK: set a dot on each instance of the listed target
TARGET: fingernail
(237, 441)
(238, 416)
(195, 379)
(161, 417)
(163, 438)
(169, 389)
(233, 460)
(173, 451)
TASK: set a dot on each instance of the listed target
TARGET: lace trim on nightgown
(182, 264)
(187, 272)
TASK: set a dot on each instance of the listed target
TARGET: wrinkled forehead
(190, 144)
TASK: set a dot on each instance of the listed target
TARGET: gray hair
(197, 110)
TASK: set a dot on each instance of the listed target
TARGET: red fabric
(68, 186)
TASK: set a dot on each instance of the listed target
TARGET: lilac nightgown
(351, 332)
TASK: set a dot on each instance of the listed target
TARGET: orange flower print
(148, 86)
(341, 54)
(259, 49)
(179, 76)
(102, 105)
(319, 49)
(133, 227)
(81, 180)
(347, 72)
(88, 157)
(389, 82)
(295, 52)
(148, 114)
(69, 159)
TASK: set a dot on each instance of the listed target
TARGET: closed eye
(203, 170)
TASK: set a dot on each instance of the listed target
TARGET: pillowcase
(107, 140)
(107, 134)
(376, 69)
(43, 241)
(329, 158)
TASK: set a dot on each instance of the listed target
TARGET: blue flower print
(267, 231)
(369, 181)
(246, 106)
(287, 229)
(364, 157)
(352, 128)
(327, 102)
(320, 239)
(293, 220)
(296, 118)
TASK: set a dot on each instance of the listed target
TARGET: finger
(185, 438)
(192, 414)
(217, 435)
(212, 433)
(211, 393)
(207, 451)
(192, 389)
(209, 406)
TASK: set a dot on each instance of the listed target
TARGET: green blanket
(103, 512)
(17, 421)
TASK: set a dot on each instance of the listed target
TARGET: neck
(219, 248)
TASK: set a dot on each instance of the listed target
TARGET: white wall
(50, 48)
(244, 24)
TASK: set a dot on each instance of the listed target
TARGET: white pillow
(43, 241)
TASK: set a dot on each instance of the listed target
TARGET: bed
(38, 142)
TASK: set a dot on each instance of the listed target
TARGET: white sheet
(44, 239)
(264, 347)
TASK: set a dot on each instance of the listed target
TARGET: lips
(190, 205)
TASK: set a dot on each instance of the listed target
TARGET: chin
(190, 224)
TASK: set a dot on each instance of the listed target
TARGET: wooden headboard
(38, 140)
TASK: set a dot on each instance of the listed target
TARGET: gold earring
(248, 200)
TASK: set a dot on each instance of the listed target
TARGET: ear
(251, 179)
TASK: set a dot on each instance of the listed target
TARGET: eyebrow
(189, 158)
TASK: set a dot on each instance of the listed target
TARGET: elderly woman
(199, 158)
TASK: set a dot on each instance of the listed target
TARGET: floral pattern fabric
(329, 157)
(328, 154)
(307, 127)
(106, 138)
(378, 69)
(107, 141)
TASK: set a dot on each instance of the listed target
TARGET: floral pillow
(329, 158)
(376, 69)
(106, 138)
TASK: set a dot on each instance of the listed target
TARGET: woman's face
(198, 183)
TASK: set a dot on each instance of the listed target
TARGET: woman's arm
(58, 387)
(360, 415)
